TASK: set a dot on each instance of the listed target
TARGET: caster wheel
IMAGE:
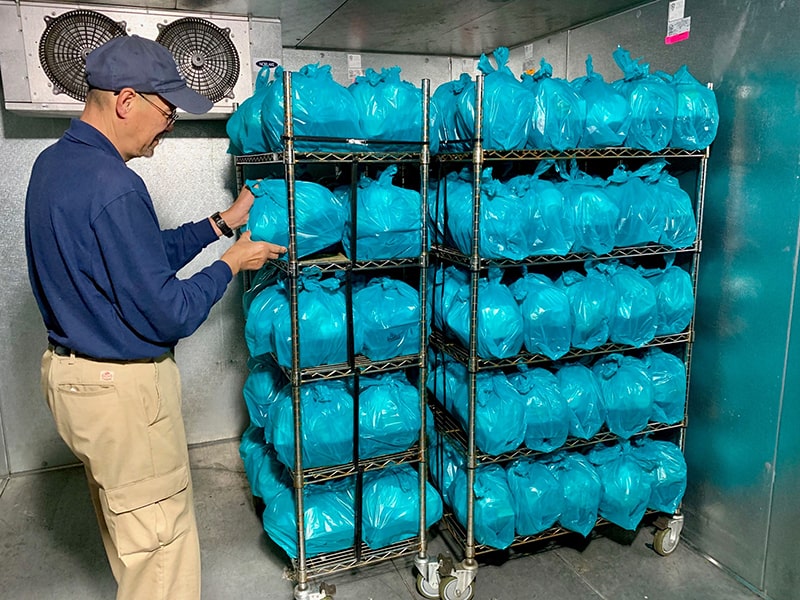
(665, 541)
(425, 589)
(447, 590)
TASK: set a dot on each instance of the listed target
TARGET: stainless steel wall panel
(3, 454)
(413, 68)
(708, 52)
(190, 177)
(553, 49)
(744, 478)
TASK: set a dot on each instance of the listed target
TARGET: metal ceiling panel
(450, 27)
(441, 27)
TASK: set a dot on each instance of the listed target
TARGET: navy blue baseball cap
(147, 67)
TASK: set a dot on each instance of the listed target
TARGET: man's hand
(239, 211)
(248, 255)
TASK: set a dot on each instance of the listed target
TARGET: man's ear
(124, 102)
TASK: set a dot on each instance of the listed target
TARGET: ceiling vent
(205, 54)
(65, 43)
(43, 50)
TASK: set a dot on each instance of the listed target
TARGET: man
(104, 276)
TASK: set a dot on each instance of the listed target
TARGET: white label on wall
(679, 27)
(354, 61)
(528, 51)
(676, 8)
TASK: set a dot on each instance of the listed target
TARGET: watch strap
(221, 224)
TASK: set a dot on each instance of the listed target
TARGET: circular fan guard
(66, 41)
(205, 55)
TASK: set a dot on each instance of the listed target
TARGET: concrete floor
(50, 550)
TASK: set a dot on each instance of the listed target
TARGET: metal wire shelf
(300, 156)
(456, 530)
(344, 560)
(447, 424)
(321, 474)
(461, 354)
(456, 257)
(339, 262)
(361, 364)
(578, 153)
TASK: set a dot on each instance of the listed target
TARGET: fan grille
(66, 41)
(205, 55)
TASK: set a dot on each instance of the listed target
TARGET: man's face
(155, 119)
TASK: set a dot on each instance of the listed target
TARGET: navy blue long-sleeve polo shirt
(102, 270)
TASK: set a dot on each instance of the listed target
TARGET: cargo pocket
(148, 514)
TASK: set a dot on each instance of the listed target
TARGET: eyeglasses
(171, 117)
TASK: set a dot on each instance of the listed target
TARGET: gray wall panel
(553, 49)
(3, 454)
(744, 478)
(189, 177)
(413, 68)
(782, 577)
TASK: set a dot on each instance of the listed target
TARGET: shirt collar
(81, 132)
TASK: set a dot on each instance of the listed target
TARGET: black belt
(60, 350)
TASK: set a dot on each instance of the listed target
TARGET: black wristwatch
(223, 226)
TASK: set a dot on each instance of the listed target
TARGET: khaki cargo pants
(123, 421)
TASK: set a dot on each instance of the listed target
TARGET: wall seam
(781, 399)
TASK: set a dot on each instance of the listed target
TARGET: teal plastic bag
(270, 304)
(390, 418)
(591, 301)
(500, 423)
(536, 495)
(546, 315)
(641, 214)
(321, 107)
(667, 374)
(696, 113)
(389, 220)
(581, 489)
(456, 184)
(252, 449)
(669, 471)
(389, 109)
(264, 382)
(581, 390)
(503, 229)
(320, 216)
(634, 316)
(444, 461)
(322, 323)
(391, 505)
(444, 103)
(328, 516)
(507, 106)
(544, 214)
(244, 125)
(652, 102)
(499, 318)
(680, 227)
(627, 393)
(386, 314)
(326, 424)
(546, 411)
(608, 115)
(626, 479)
(271, 478)
(595, 214)
(494, 505)
(674, 297)
(558, 117)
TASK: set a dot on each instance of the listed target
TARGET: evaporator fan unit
(205, 55)
(66, 41)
